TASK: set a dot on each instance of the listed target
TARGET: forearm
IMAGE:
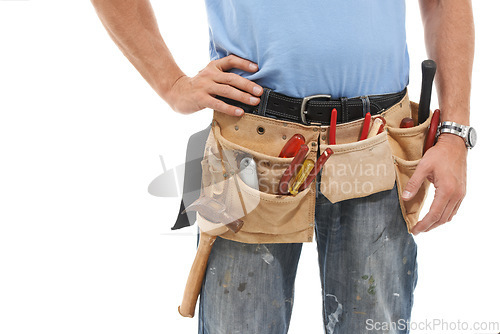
(132, 26)
(449, 37)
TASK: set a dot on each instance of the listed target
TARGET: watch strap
(456, 129)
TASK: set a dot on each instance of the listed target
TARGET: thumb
(415, 182)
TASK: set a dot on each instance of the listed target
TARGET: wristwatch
(468, 133)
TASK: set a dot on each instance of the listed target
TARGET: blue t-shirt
(345, 48)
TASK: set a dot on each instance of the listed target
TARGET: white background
(85, 249)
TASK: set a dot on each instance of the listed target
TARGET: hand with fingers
(445, 165)
(188, 95)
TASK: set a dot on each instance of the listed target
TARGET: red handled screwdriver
(333, 127)
(292, 146)
(292, 169)
(366, 126)
(407, 122)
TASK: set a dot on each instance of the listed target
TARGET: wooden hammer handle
(196, 275)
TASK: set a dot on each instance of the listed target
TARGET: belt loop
(366, 105)
(345, 110)
(263, 102)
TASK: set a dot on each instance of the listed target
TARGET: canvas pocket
(407, 147)
(410, 209)
(267, 216)
(408, 144)
(358, 169)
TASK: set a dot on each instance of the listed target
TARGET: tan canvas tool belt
(356, 169)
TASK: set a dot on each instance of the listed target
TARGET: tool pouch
(407, 145)
(361, 168)
(267, 216)
(356, 169)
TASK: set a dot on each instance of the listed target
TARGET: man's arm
(132, 26)
(449, 37)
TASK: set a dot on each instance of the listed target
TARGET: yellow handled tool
(304, 171)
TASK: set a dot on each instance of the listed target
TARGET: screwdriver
(407, 122)
(292, 168)
(307, 166)
(333, 126)
(366, 126)
(292, 146)
(317, 168)
(377, 127)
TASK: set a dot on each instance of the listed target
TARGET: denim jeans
(367, 264)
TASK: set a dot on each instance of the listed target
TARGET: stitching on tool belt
(276, 122)
(312, 207)
(361, 147)
(280, 200)
(298, 126)
(407, 134)
(406, 166)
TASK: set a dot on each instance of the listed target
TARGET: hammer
(213, 211)
(196, 275)
(428, 72)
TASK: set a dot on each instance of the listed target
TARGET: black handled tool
(428, 72)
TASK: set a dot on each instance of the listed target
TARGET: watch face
(472, 137)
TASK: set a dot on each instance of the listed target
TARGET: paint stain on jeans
(371, 282)
(227, 278)
(333, 318)
(242, 287)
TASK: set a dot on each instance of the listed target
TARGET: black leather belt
(317, 108)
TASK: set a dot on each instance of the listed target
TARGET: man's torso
(337, 47)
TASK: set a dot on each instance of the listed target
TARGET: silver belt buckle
(303, 111)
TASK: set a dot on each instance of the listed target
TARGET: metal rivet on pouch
(315, 129)
(284, 137)
(260, 130)
(313, 144)
(225, 175)
(323, 129)
(323, 137)
(236, 127)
